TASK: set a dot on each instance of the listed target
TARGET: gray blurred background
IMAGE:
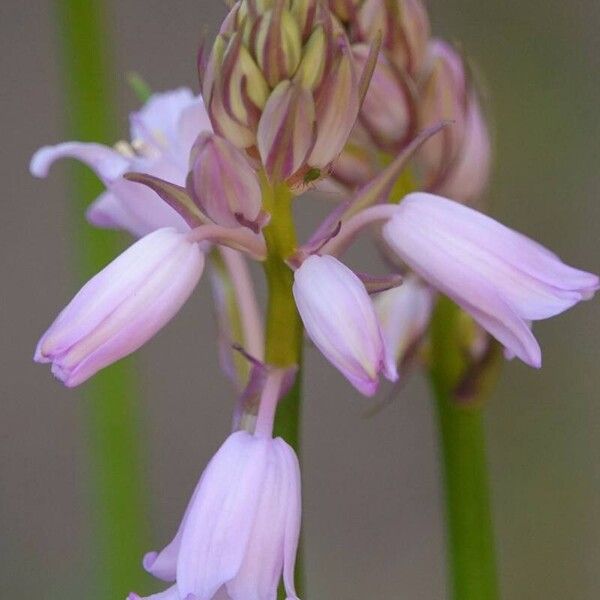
(373, 517)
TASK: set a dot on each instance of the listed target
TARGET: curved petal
(107, 163)
(528, 276)
(220, 520)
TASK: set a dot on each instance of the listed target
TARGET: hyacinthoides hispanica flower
(283, 88)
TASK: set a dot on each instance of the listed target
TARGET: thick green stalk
(468, 513)
(284, 327)
(112, 428)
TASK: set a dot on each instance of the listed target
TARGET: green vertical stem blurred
(470, 538)
(110, 397)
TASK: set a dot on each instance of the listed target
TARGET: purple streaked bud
(456, 162)
(403, 24)
(223, 183)
(278, 44)
(123, 306)
(240, 531)
(357, 164)
(502, 278)
(388, 111)
(404, 314)
(281, 83)
(468, 175)
(340, 319)
(285, 130)
(337, 104)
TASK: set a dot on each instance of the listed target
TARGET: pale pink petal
(261, 568)
(220, 520)
(163, 564)
(294, 516)
(403, 314)
(108, 212)
(159, 118)
(503, 278)
(193, 120)
(169, 594)
(107, 163)
(123, 306)
(340, 319)
(468, 176)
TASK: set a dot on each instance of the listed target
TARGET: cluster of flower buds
(418, 81)
(275, 82)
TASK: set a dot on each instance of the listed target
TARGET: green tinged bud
(281, 83)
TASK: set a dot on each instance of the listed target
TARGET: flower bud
(388, 111)
(357, 164)
(456, 162)
(222, 182)
(340, 319)
(403, 24)
(123, 306)
(240, 531)
(468, 175)
(282, 84)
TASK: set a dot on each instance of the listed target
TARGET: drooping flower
(240, 531)
(340, 319)
(122, 306)
(404, 313)
(162, 135)
(502, 278)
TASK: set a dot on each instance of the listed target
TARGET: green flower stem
(115, 478)
(468, 513)
(284, 333)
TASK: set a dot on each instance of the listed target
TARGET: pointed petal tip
(149, 560)
(367, 387)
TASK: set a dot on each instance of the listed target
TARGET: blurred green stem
(284, 328)
(470, 537)
(120, 518)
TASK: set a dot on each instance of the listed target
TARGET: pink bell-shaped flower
(340, 319)
(502, 278)
(240, 531)
(123, 306)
